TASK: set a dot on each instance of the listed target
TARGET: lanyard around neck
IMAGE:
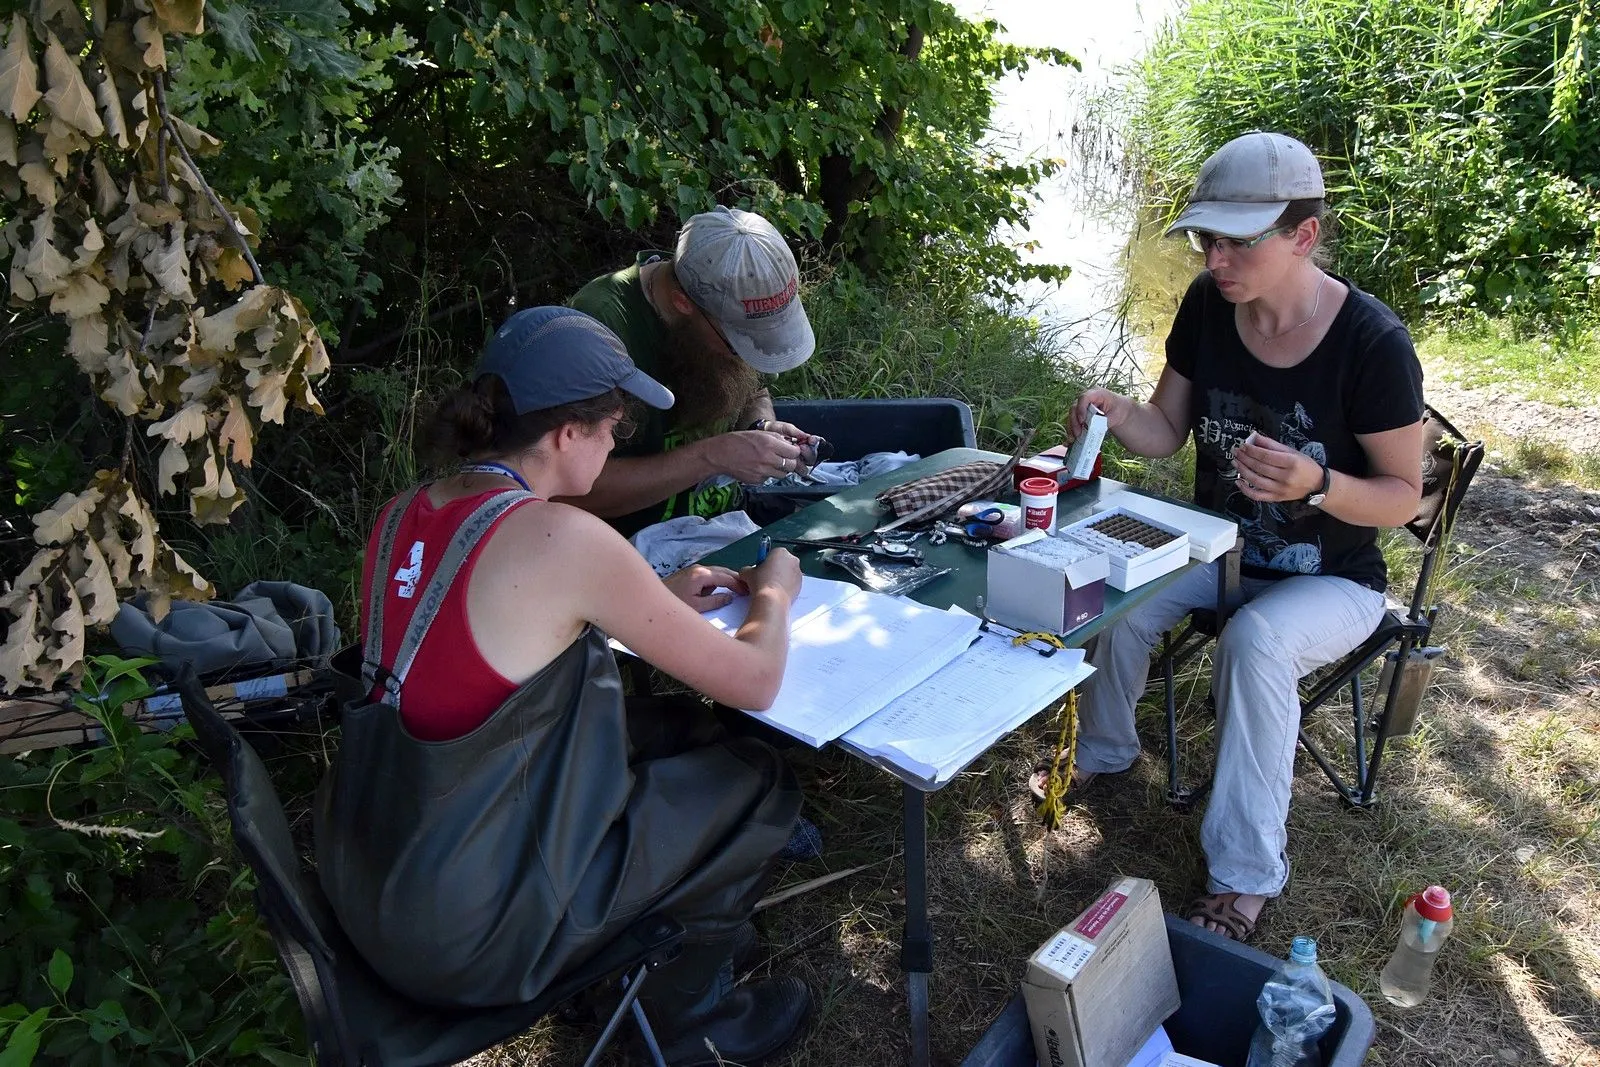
(497, 468)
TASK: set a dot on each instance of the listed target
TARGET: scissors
(983, 523)
(889, 551)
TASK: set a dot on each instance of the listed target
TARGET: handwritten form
(851, 652)
(936, 728)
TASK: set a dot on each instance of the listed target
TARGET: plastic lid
(1039, 486)
(1303, 950)
(1433, 903)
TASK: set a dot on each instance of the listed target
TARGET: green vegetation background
(422, 169)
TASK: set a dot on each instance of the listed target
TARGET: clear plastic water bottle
(1409, 972)
(1296, 1007)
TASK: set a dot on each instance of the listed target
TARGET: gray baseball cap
(737, 267)
(1245, 185)
(549, 356)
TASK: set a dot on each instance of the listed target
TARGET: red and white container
(1039, 504)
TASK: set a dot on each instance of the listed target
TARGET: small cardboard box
(1039, 582)
(1098, 988)
(1052, 463)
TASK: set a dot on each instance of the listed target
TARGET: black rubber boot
(748, 1026)
(746, 948)
(745, 1025)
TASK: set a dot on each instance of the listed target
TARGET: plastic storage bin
(1218, 980)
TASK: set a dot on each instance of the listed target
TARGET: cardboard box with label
(1039, 582)
(1099, 988)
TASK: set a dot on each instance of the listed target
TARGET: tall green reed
(1459, 160)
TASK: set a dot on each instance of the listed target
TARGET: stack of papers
(937, 728)
(851, 652)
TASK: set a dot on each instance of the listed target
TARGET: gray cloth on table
(672, 545)
(848, 472)
(268, 625)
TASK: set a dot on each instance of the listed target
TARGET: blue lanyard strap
(497, 468)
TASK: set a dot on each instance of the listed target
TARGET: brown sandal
(1213, 908)
(1041, 778)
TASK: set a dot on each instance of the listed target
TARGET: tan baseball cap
(737, 267)
(1245, 185)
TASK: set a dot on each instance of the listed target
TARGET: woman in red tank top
(481, 588)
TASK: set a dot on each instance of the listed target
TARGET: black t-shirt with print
(1362, 378)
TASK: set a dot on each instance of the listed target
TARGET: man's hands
(697, 586)
(753, 456)
(1272, 472)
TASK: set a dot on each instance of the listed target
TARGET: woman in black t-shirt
(1304, 396)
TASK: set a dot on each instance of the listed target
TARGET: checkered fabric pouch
(920, 492)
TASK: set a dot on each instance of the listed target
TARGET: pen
(763, 546)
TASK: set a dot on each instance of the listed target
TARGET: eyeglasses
(1203, 242)
(624, 428)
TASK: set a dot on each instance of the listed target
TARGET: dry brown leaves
(111, 227)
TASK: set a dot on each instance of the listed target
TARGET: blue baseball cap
(549, 356)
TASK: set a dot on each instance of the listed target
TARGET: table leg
(1229, 589)
(916, 940)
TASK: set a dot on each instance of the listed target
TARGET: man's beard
(711, 388)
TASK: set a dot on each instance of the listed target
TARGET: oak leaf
(268, 393)
(40, 182)
(111, 111)
(45, 266)
(167, 262)
(69, 99)
(65, 653)
(97, 588)
(232, 270)
(123, 391)
(187, 424)
(198, 141)
(173, 463)
(8, 141)
(107, 197)
(219, 331)
(147, 36)
(23, 647)
(180, 16)
(155, 213)
(236, 434)
(116, 555)
(31, 576)
(19, 74)
(143, 545)
(21, 288)
(66, 518)
(67, 18)
(87, 343)
(84, 295)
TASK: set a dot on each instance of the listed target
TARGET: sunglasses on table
(1203, 242)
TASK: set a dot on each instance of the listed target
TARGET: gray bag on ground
(267, 626)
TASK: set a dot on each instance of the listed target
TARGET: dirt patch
(1479, 411)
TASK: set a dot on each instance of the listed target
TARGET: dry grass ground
(1497, 796)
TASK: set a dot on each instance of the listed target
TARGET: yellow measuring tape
(1052, 809)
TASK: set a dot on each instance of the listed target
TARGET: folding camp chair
(1401, 638)
(353, 1019)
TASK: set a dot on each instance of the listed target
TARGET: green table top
(853, 510)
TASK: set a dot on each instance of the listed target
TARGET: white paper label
(1065, 954)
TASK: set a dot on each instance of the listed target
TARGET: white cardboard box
(1098, 988)
(1131, 565)
(1039, 582)
(1209, 535)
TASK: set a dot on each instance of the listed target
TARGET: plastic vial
(1296, 1007)
(1423, 929)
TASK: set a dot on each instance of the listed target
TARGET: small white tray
(1139, 554)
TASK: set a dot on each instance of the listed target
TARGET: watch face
(1316, 499)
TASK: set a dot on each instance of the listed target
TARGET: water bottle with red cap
(1426, 924)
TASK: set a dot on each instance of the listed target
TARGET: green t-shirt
(618, 300)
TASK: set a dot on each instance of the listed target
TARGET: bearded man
(707, 321)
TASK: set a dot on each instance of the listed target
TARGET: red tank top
(450, 689)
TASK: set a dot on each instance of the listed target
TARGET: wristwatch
(1315, 499)
(759, 424)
